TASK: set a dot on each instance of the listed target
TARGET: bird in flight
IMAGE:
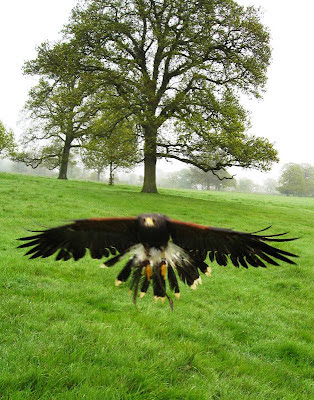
(157, 249)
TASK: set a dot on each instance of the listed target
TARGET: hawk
(157, 249)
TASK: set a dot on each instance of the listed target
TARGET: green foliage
(195, 178)
(179, 67)
(245, 185)
(63, 107)
(7, 145)
(68, 333)
(297, 180)
(118, 150)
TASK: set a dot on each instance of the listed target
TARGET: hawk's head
(155, 221)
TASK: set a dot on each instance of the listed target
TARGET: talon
(117, 282)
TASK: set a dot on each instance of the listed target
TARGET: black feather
(145, 285)
(126, 271)
(159, 284)
(136, 277)
(113, 261)
(173, 282)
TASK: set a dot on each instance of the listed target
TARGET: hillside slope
(67, 333)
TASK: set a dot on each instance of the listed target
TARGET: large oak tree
(179, 66)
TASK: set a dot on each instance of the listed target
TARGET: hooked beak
(149, 222)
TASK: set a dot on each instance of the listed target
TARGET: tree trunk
(65, 159)
(111, 177)
(98, 175)
(150, 148)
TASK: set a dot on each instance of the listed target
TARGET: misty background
(284, 115)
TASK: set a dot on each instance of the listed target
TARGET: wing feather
(102, 236)
(224, 244)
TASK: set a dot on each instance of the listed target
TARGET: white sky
(284, 115)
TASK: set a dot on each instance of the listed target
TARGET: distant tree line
(194, 178)
(163, 78)
(297, 180)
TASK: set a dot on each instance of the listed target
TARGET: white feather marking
(173, 254)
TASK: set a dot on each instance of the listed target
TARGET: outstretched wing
(102, 236)
(219, 244)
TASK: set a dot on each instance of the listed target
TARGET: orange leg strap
(148, 272)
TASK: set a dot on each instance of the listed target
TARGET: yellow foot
(156, 298)
(208, 272)
(177, 296)
(142, 294)
(117, 282)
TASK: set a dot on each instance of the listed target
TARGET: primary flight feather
(157, 249)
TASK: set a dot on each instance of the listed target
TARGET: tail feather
(159, 283)
(173, 282)
(145, 286)
(136, 277)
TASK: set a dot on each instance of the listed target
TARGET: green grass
(67, 333)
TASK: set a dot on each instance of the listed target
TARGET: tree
(195, 178)
(62, 108)
(245, 185)
(207, 180)
(119, 150)
(270, 186)
(7, 145)
(309, 179)
(177, 179)
(297, 180)
(178, 66)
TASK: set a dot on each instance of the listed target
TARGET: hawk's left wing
(242, 248)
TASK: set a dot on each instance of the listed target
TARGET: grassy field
(67, 333)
